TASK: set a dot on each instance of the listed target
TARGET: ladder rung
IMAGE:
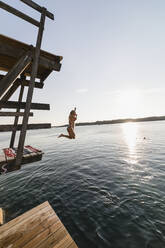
(13, 114)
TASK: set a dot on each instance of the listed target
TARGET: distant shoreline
(116, 121)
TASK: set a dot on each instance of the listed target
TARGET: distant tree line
(152, 118)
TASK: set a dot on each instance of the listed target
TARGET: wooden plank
(37, 228)
(37, 240)
(20, 46)
(16, 84)
(12, 140)
(19, 234)
(37, 85)
(13, 105)
(18, 13)
(14, 48)
(10, 51)
(48, 63)
(1, 217)
(23, 217)
(12, 75)
(38, 8)
(10, 91)
(14, 114)
(53, 238)
(7, 128)
(14, 87)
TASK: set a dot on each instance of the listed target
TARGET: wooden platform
(8, 156)
(37, 228)
(11, 50)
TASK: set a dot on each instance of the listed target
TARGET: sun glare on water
(130, 131)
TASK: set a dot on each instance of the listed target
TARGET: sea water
(107, 185)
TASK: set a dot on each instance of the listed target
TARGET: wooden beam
(18, 13)
(10, 91)
(12, 140)
(7, 128)
(17, 69)
(49, 64)
(38, 8)
(27, 83)
(8, 50)
(22, 105)
(30, 90)
(10, 114)
(17, 83)
(45, 75)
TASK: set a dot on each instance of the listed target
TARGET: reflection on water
(103, 199)
(130, 131)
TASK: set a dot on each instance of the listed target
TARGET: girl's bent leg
(63, 135)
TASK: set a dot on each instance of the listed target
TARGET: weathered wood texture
(38, 228)
(10, 91)
(18, 13)
(21, 105)
(16, 119)
(11, 50)
(36, 84)
(5, 114)
(38, 8)
(25, 82)
(8, 158)
(1, 217)
(35, 64)
(7, 128)
(15, 86)
(14, 72)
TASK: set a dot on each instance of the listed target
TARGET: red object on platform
(9, 152)
(32, 149)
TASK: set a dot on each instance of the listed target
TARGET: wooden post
(30, 90)
(1, 217)
(16, 118)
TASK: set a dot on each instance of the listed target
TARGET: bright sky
(113, 57)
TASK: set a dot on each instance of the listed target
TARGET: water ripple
(107, 188)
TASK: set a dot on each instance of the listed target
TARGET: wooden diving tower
(19, 62)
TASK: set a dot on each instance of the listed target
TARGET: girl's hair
(73, 112)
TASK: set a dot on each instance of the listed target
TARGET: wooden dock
(38, 228)
(8, 158)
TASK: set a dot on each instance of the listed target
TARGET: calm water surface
(107, 186)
